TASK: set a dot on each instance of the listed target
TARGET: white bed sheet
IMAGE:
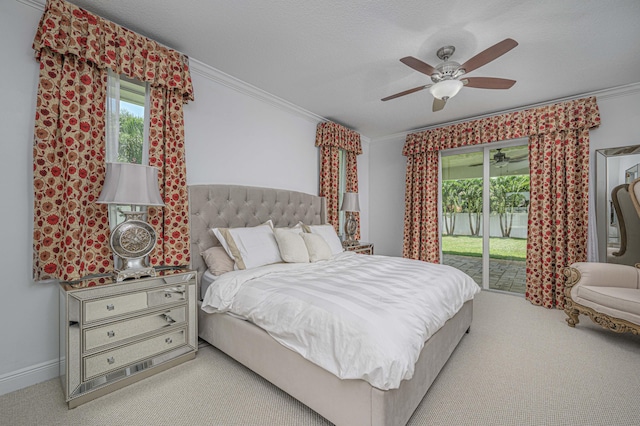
(357, 316)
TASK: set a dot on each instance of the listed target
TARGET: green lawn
(500, 248)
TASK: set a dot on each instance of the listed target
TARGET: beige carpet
(520, 365)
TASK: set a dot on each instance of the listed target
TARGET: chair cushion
(614, 301)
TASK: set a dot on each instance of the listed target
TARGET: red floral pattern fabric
(166, 151)
(558, 212)
(557, 219)
(71, 231)
(69, 30)
(331, 137)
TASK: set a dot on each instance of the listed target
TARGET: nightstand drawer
(120, 305)
(166, 296)
(112, 306)
(113, 333)
(96, 365)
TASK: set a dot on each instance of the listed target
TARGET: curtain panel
(70, 231)
(331, 137)
(560, 135)
(75, 48)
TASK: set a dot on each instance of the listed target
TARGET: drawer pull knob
(168, 295)
(111, 360)
(111, 333)
(168, 340)
(110, 307)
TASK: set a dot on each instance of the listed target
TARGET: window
(127, 120)
(127, 127)
(342, 187)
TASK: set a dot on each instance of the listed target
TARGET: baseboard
(28, 376)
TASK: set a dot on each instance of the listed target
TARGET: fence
(518, 226)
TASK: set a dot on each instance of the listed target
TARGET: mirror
(615, 167)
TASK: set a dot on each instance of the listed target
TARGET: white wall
(386, 195)
(28, 311)
(256, 140)
(234, 134)
(619, 112)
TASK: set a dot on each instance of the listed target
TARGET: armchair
(626, 208)
(608, 293)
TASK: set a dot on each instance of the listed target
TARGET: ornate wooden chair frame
(573, 309)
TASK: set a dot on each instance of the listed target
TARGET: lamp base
(350, 229)
(134, 273)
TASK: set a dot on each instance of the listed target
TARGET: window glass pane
(342, 187)
(131, 140)
(127, 107)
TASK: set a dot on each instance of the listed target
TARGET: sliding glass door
(483, 211)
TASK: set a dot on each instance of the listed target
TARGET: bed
(343, 402)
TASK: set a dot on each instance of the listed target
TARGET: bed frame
(343, 402)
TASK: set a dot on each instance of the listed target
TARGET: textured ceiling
(338, 58)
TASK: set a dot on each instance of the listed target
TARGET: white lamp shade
(132, 184)
(350, 202)
(446, 88)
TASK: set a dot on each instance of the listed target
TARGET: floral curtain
(70, 231)
(331, 137)
(166, 151)
(559, 161)
(75, 48)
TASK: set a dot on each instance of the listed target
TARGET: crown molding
(215, 75)
(610, 93)
(33, 3)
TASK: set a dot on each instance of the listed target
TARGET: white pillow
(250, 247)
(291, 245)
(329, 234)
(297, 227)
(317, 247)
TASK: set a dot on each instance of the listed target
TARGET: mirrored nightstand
(115, 333)
(360, 248)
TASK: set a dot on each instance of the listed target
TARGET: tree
(471, 196)
(507, 194)
(451, 204)
(131, 138)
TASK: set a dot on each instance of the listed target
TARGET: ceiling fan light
(446, 89)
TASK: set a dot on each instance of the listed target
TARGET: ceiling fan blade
(519, 159)
(438, 104)
(489, 82)
(418, 65)
(406, 92)
(488, 55)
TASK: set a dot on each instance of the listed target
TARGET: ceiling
(338, 58)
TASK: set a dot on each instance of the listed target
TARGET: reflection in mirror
(618, 224)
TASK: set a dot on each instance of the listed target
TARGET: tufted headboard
(234, 206)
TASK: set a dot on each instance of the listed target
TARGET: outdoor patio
(506, 275)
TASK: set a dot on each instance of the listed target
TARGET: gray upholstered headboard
(234, 206)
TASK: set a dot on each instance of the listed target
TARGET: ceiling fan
(449, 76)
(500, 159)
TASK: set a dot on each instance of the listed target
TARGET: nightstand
(360, 247)
(113, 334)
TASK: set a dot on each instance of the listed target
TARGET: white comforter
(357, 316)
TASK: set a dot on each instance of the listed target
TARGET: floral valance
(333, 134)
(67, 29)
(576, 114)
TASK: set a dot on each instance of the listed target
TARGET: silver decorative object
(350, 204)
(134, 239)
